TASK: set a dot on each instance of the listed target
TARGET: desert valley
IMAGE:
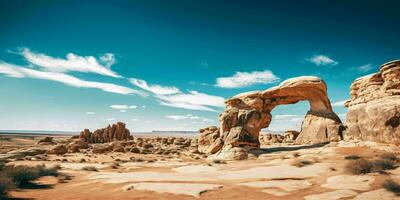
(358, 158)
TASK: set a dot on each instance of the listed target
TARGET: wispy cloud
(365, 68)
(21, 72)
(122, 108)
(244, 79)
(173, 97)
(188, 116)
(72, 62)
(76, 82)
(322, 60)
(339, 103)
(193, 101)
(90, 113)
(110, 119)
(155, 89)
(10, 70)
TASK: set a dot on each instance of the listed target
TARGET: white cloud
(322, 60)
(90, 113)
(339, 103)
(155, 89)
(365, 68)
(122, 108)
(188, 116)
(143, 106)
(193, 101)
(22, 72)
(76, 82)
(110, 119)
(10, 70)
(135, 119)
(244, 79)
(72, 62)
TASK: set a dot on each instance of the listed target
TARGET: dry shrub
(302, 163)
(360, 166)
(90, 168)
(391, 186)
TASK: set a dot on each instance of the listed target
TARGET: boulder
(374, 106)
(76, 145)
(58, 149)
(248, 113)
(46, 141)
(102, 148)
(290, 136)
(209, 140)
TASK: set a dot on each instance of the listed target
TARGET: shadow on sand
(286, 148)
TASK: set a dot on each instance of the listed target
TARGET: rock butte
(115, 132)
(247, 113)
(374, 107)
(374, 114)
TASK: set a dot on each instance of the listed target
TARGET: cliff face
(247, 113)
(374, 107)
(111, 133)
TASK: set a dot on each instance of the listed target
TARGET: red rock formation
(247, 113)
(374, 107)
(115, 132)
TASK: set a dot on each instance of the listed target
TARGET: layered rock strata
(374, 107)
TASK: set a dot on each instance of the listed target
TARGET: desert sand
(272, 174)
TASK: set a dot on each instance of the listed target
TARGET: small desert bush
(51, 171)
(389, 156)
(90, 168)
(21, 175)
(302, 163)
(383, 164)
(360, 166)
(392, 186)
(12, 176)
(352, 157)
(6, 185)
(296, 154)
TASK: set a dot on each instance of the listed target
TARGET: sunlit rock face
(115, 132)
(374, 107)
(247, 113)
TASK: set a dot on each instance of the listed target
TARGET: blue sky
(169, 65)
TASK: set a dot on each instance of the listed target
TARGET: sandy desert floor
(273, 174)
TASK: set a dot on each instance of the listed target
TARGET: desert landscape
(199, 100)
(328, 159)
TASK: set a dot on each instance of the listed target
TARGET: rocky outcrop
(46, 141)
(77, 145)
(115, 132)
(247, 113)
(289, 136)
(374, 107)
(209, 140)
(58, 149)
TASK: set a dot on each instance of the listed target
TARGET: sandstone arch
(247, 113)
